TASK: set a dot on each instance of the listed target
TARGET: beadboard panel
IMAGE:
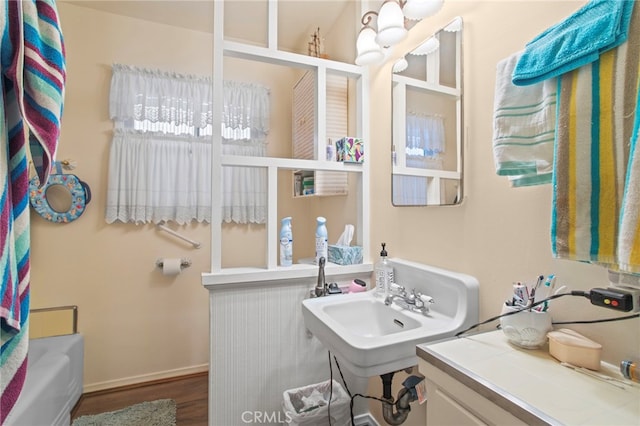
(259, 349)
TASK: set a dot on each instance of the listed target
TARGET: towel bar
(162, 227)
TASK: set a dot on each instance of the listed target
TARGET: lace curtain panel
(159, 177)
(409, 190)
(160, 159)
(425, 135)
(424, 149)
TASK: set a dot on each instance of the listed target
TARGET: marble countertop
(532, 385)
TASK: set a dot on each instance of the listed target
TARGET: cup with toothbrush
(524, 325)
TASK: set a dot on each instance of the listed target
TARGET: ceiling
(244, 19)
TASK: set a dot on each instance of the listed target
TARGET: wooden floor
(189, 392)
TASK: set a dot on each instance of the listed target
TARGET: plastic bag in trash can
(308, 405)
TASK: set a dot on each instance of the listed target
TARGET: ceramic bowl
(526, 329)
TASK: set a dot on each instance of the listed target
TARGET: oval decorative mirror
(59, 198)
(427, 150)
(62, 199)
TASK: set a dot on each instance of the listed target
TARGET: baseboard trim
(145, 379)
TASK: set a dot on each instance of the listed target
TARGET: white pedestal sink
(370, 338)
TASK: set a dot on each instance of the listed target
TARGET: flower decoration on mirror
(430, 45)
(400, 65)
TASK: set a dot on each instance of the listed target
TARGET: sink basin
(372, 318)
(371, 338)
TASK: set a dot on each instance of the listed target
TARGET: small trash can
(309, 405)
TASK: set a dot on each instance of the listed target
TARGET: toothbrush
(532, 295)
(547, 290)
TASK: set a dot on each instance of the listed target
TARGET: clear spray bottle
(383, 274)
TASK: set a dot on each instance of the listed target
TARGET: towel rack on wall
(162, 227)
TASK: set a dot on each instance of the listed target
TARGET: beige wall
(499, 234)
(140, 324)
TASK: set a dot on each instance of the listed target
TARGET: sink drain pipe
(402, 406)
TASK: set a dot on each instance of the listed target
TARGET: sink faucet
(321, 287)
(395, 290)
(415, 301)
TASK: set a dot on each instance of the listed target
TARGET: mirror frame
(431, 85)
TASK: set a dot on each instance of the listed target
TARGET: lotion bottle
(286, 243)
(383, 274)
(331, 151)
(322, 244)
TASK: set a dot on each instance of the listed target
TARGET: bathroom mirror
(427, 142)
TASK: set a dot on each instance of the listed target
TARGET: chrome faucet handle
(415, 299)
(425, 303)
(397, 289)
(427, 299)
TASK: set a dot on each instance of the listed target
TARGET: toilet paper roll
(171, 266)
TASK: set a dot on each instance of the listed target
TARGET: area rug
(161, 412)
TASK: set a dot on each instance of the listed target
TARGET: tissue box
(350, 150)
(345, 255)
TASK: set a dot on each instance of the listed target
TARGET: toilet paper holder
(184, 263)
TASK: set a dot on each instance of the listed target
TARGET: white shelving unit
(271, 54)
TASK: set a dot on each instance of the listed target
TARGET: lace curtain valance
(425, 135)
(160, 160)
(139, 94)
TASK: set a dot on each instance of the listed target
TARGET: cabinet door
(449, 402)
(443, 410)
(304, 128)
(304, 101)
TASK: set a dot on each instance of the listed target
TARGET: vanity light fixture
(429, 46)
(392, 21)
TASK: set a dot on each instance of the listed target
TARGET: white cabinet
(449, 402)
(483, 379)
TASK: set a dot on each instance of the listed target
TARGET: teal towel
(578, 40)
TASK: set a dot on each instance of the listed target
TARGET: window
(160, 159)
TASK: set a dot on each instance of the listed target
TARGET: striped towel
(596, 110)
(523, 127)
(629, 235)
(33, 90)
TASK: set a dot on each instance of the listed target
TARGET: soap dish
(566, 345)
